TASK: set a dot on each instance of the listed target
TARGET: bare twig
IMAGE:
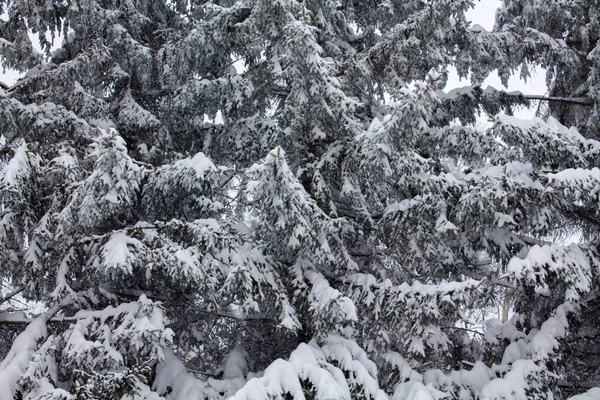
(463, 329)
(11, 295)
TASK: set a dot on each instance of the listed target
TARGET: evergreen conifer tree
(259, 199)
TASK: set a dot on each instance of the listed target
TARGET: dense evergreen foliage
(274, 199)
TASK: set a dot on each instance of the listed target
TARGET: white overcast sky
(483, 14)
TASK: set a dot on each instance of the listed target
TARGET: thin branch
(227, 181)
(47, 316)
(236, 316)
(502, 282)
(140, 228)
(11, 295)
(463, 329)
(583, 101)
(143, 164)
(206, 373)
(241, 317)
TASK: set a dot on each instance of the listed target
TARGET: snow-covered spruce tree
(274, 199)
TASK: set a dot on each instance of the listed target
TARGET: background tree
(274, 199)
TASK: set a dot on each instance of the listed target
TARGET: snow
(513, 385)
(592, 394)
(17, 316)
(235, 365)
(348, 356)
(17, 169)
(577, 174)
(501, 219)
(64, 161)
(402, 366)
(189, 263)
(582, 184)
(495, 329)
(515, 351)
(519, 123)
(475, 378)
(324, 296)
(174, 382)
(116, 253)
(168, 371)
(288, 319)
(142, 392)
(201, 164)
(285, 377)
(414, 391)
(324, 369)
(16, 361)
(328, 383)
(442, 224)
(571, 263)
(477, 28)
(545, 341)
(433, 75)
(133, 116)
